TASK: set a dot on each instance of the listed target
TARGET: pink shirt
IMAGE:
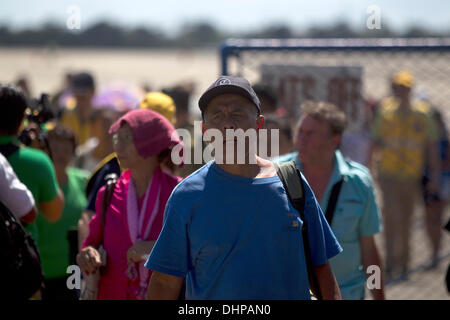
(114, 283)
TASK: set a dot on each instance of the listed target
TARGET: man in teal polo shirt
(356, 216)
(33, 167)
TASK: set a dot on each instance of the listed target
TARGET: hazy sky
(229, 15)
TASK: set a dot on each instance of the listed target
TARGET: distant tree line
(200, 34)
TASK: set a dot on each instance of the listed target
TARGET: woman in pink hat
(142, 140)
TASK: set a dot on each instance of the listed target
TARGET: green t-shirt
(53, 243)
(35, 170)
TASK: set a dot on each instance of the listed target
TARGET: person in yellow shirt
(77, 116)
(403, 136)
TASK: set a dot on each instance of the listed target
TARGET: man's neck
(61, 176)
(318, 175)
(318, 169)
(261, 169)
(84, 111)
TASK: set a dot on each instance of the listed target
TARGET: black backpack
(20, 264)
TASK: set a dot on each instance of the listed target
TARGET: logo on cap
(223, 81)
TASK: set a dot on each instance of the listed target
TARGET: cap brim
(210, 94)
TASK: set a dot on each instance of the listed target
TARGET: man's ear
(260, 121)
(203, 127)
(336, 141)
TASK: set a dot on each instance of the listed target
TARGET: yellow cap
(404, 78)
(161, 103)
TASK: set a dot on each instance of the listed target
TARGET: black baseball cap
(229, 84)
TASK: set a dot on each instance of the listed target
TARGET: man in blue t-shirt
(229, 228)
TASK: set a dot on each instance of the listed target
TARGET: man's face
(231, 111)
(314, 141)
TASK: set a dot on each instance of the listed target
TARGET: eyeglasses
(123, 140)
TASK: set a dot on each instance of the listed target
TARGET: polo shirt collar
(340, 171)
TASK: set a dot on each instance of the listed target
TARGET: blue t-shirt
(235, 237)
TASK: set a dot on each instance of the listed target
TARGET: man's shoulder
(358, 175)
(31, 156)
(193, 183)
(292, 156)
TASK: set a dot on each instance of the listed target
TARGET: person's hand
(139, 251)
(89, 260)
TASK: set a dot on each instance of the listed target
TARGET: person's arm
(371, 257)
(164, 287)
(52, 209)
(435, 166)
(140, 251)
(14, 194)
(328, 285)
(30, 216)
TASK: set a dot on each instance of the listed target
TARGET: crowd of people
(96, 186)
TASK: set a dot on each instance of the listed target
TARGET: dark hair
(180, 97)
(64, 133)
(266, 92)
(12, 108)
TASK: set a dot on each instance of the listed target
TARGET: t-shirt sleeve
(170, 253)
(13, 193)
(48, 184)
(370, 222)
(322, 241)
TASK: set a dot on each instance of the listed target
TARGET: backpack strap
(290, 176)
(331, 207)
(111, 180)
(8, 149)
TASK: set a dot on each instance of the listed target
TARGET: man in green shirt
(33, 167)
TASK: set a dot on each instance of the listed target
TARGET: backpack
(20, 264)
(292, 182)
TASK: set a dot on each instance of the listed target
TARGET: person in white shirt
(14, 194)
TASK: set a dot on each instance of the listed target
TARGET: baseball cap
(161, 103)
(152, 132)
(229, 84)
(404, 78)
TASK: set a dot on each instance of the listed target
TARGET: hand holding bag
(90, 290)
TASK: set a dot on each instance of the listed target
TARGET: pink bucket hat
(152, 132)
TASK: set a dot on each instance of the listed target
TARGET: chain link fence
(349, 72)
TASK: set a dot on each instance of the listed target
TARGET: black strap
(292, 182)
(331, 207)
(111, 180)
(8, 149)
